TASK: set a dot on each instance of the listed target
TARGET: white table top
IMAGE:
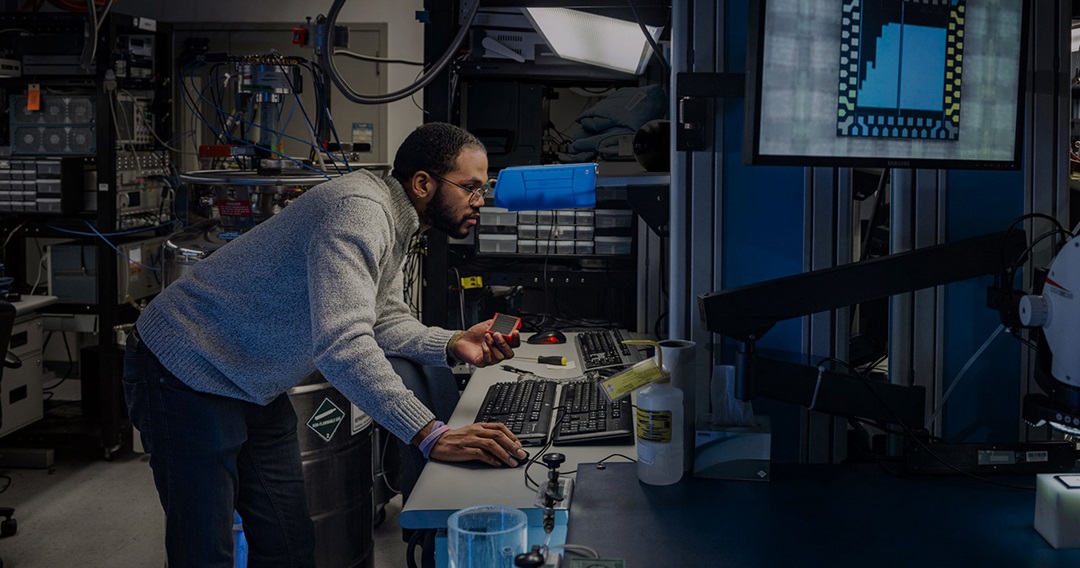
(444, 488)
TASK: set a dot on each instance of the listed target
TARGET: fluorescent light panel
(594, 39)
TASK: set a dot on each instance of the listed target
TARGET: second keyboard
(600, 349)
(585, 416)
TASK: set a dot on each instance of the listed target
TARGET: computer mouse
(477, 464)
(553, 337)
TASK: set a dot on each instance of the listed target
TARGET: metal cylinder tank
(336, 449)
(238, 200)
(242, 199)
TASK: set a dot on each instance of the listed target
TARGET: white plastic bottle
(660, 433)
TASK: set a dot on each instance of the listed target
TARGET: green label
(326, 420)
(654, 425)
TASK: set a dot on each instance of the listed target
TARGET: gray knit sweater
(317, 286)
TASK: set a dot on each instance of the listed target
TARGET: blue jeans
(211, 454)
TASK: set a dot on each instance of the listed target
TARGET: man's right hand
(489, 442)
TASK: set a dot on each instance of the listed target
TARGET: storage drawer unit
(614, 245)
(498, 217)
(497, 243)
(20, 389)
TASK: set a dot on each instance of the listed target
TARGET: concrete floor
(89, 513)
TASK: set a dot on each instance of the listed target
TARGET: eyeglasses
(476, 194)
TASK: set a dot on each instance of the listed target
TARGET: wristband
(450, 347)
(437, 430)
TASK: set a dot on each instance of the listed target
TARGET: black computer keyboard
(603, 348)
(523, 406)
(585, 416)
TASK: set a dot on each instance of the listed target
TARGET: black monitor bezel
(755, 43)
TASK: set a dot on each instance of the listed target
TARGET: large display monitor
(899, 83)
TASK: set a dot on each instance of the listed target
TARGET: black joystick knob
(533, 559)
(554, 460)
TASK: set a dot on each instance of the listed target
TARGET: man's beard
(440, 217)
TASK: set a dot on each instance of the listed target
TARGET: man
(316, 287)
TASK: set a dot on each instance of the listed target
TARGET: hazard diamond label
(326, 420)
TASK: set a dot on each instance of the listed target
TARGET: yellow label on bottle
(641, 374)
(654, 425)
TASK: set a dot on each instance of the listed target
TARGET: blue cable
(296, 99)
(174, 186)
(118, 251)
(184, 99)
(315, 81)
(303, 110)
(221, 113)
(288, 119)
(330, 120)
(276, 153)
(97, 233)
(252, 144)
(107, 241)
(320, 91)
(192, 108)
(211, 84)
(329, 155)
(198, 114)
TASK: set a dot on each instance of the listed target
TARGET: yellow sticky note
(635, 377)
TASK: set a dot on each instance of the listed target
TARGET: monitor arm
(748, 312)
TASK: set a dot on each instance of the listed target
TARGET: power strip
(1003, 459)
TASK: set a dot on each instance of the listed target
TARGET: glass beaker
(488, 536)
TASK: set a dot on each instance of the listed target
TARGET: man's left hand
(478, 347)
